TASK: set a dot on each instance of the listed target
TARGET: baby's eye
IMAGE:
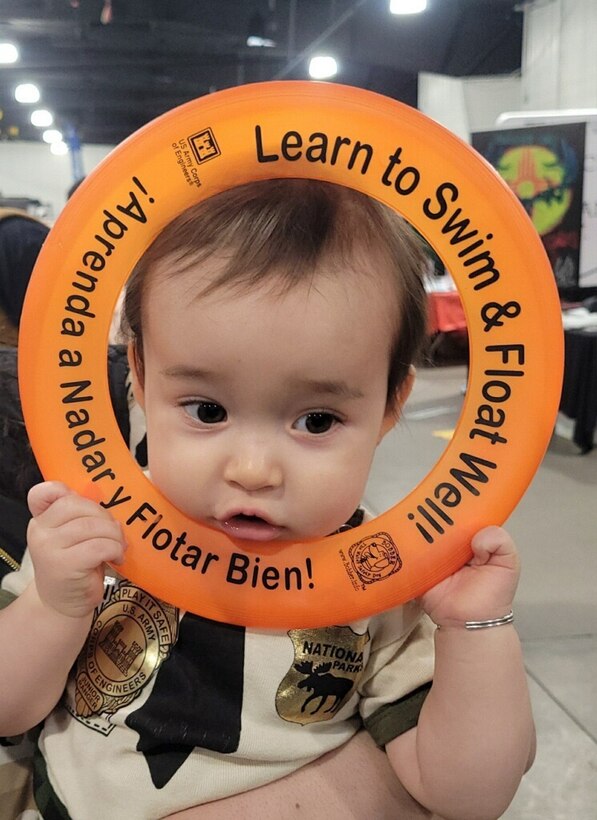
(207, 412)
(316, 423)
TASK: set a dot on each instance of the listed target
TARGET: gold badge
(130, 637)
(322, 679)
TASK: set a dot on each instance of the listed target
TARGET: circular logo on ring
(130, 638)
(375, 557)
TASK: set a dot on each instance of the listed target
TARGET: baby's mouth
(249, 527)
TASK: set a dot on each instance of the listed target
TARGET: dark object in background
(21, 238)
(18, 467)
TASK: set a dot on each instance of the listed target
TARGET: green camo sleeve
(6, 598)
(394, 719)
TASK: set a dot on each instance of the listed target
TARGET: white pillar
(559, 66)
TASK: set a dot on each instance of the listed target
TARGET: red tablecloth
(445, 312)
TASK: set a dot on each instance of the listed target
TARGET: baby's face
(264, 411)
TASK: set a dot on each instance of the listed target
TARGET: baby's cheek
(336, 504)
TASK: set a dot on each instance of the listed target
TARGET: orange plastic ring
(449, 194)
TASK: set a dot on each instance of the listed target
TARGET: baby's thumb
(43, 495)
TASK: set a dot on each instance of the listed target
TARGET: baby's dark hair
(280, 232)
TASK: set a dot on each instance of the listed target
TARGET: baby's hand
(483, 589)
(69, 539)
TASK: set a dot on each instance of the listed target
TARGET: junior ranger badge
(324, 675)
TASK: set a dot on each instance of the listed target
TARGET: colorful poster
(543, 166)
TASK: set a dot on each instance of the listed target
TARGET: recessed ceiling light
(52, 135)
(41, 118)
(407, 6)
(27, 93)
(9, 53)
(322, 67)
(59, 149)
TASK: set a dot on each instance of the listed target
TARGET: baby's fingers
(95, 552)
(493, 545)
(53, 504)
(42, 496)
(89, 528)
(46, 541)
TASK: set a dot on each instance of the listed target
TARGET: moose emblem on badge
(324, 675)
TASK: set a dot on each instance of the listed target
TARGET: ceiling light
(407, 6)
(41, 118)
(59, 149)
(8, 53)
(27, 93)
(322, 67)
(52, 135)
(257, 32)
(253, 41)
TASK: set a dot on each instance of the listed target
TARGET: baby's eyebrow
(330, 388)
(320, 387)
(182, 371)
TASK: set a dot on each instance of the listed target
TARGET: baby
(273, 329)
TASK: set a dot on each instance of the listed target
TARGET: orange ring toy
(449, 194)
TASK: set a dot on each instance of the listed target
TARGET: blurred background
(103, 68)
(106, 68)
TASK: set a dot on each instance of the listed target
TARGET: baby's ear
(394, 408)
(136, 370)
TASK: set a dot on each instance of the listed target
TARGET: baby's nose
(253, 469)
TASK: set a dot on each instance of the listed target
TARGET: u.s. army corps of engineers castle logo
(130, 638)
